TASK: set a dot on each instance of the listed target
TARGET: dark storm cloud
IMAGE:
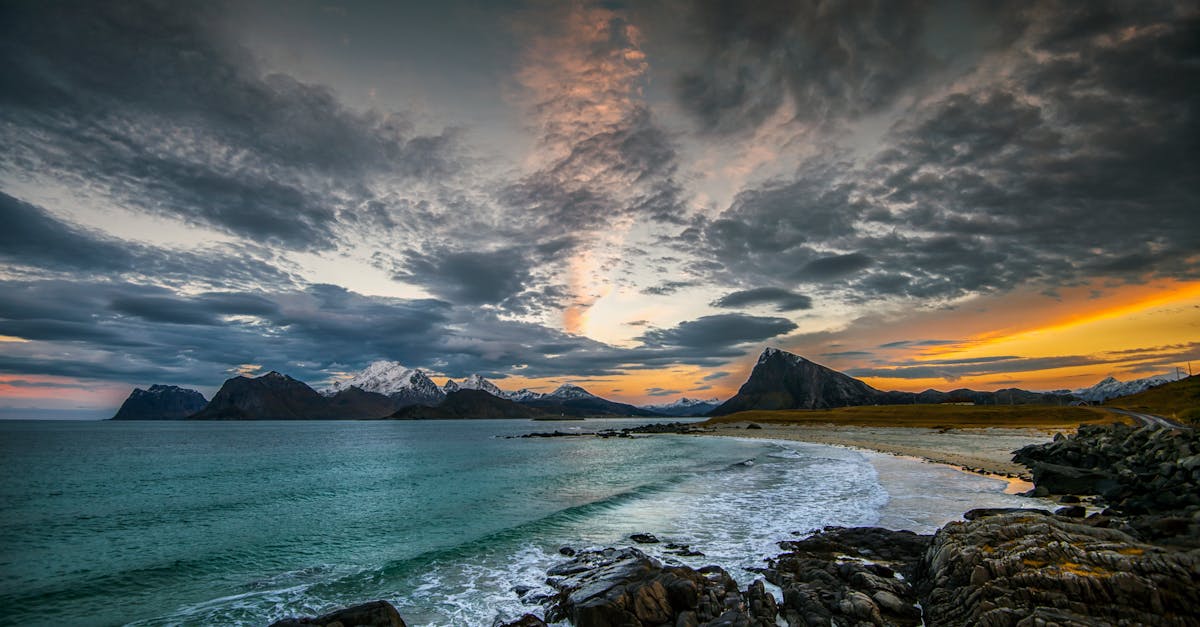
(148, 103)
(668, 287)
(142, 334)
(32, 237)
(956, 369)
(35, 242)
(661, 392)
(908, 343)
(848, 354)
(721, 330)
(834, 266)
(470, 277)
(832, 61)
(784, 300)
(1082, 165)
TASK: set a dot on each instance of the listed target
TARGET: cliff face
(160, 402)
(273, 396)
(781, 380)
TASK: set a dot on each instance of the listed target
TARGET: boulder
(628, 588)
(849, 576)
(527, 620)
(373, 614)
(1059, 479)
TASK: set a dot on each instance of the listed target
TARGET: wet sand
(987, 450)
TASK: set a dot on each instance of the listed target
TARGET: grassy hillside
(932, 416)
(1179, 400)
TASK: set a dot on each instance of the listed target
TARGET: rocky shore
(676, 428)
(1133, 563)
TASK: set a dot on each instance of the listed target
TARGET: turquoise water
(243, 523)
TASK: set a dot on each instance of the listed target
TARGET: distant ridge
(685, 407)
(782, 380)
(468, 403)
(572, 400)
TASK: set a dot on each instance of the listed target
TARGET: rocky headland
(1134, 562)
(160, 402)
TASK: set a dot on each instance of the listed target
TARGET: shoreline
(987, 452)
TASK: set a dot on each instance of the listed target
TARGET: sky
(637, 197)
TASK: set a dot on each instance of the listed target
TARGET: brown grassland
(1179, 400)
(934, 416)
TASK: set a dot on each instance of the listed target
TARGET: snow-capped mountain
(407, 386)
(1112, 388)
(524, 395)
(568, 391)
(685, 407)
(477, 382)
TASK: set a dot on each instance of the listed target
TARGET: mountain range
(387, 389)
(381, 390)
(685, 407)
(782, 380)
(1112, 388)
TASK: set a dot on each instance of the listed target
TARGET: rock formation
(781, 380)
(627, 587)
(1027, 568)
(160, 402)
(373, 614)
(1149, 475)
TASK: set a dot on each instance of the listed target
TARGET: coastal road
(1150, 420)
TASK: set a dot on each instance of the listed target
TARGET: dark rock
(1022, 569)
(373, 614)
(997, 511)
(754, 425)
(626, 587)
(1134, 473)
(1059, 479)
(527, 620)
(644, 538)
(1072, 511)
(1068, 498)
(824, 582)
(566, 550)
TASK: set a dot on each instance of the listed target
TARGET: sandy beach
(987, 450)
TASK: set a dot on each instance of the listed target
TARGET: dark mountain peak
(272, 396)
(571, 391)
(160, 402)
(779, 354)
(782, 380)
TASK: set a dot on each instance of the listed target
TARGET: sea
(244, 523)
